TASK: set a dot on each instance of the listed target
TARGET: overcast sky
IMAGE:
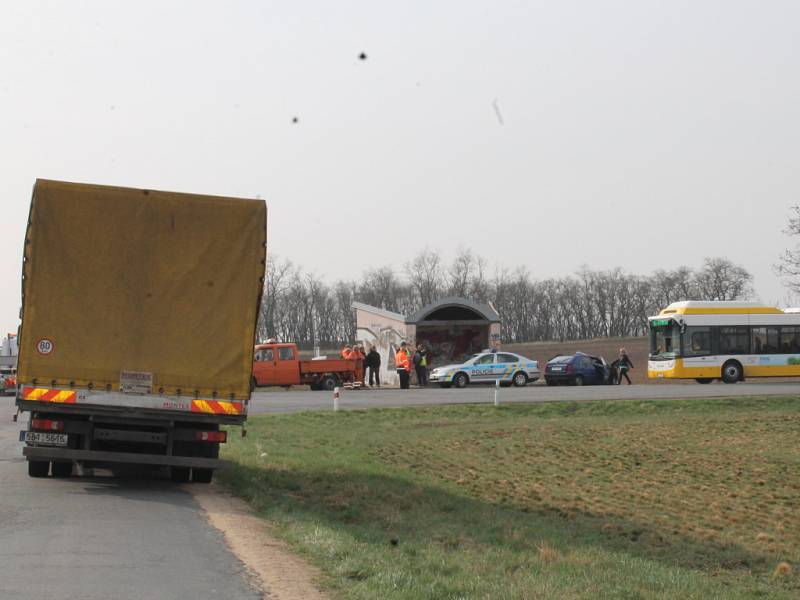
(639, 134)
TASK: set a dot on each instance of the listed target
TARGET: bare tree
(382, 288)
(720, 279)
(275, 279)
(788, 265)
(424, 273)
(460, 273)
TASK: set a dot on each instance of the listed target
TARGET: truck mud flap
(97, 456)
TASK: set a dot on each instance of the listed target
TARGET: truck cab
(276, 364)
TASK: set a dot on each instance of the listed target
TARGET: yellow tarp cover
(119, 279)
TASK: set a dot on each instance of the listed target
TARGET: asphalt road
(102, 537)
(301, 400)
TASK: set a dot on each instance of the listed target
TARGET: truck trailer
(138, 322)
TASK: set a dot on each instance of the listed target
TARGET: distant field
(608, 348)
(660, 499)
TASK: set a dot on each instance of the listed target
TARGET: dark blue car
(577, 369)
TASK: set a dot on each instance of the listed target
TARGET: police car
(488, 367)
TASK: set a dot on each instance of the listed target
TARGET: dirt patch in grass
(278, 573)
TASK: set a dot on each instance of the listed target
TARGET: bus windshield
(664, 339)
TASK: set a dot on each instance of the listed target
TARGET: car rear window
(561, 359)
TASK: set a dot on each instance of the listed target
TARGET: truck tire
(179, 474)
(328, 383)
(202, 475)
(315, 387)
(62, 469)
(38, 468)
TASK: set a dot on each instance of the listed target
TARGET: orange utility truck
(280, 364)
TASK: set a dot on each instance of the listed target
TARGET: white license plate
(557, 368)
(51, 439)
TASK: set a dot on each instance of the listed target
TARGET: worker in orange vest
(402, 361)
(346, 352)
(357, 354)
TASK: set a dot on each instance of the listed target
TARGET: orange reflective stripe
(48, 395)
(217, 407)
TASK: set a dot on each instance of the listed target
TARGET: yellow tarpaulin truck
(139, 311)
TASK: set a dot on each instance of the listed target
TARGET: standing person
(624, 364)
(403, 365)
(373, 361)
(346, 351)
(358, 354)
(421, 365)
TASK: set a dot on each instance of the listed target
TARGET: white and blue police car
(488, 367)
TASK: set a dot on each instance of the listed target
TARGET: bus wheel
(731, 372)
(704, 380)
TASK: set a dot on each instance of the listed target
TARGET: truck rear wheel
(179, 474)
(38, 468)
(202, 475)
(62, 469)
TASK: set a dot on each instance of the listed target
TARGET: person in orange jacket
(358, 354)
(402, 361)
(346, 352)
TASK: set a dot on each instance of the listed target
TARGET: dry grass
(662, 499)
(727, 480)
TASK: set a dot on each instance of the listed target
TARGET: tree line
(300, 306)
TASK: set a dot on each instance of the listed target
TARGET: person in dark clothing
(373, 363)
(421, 365)
(623, 364)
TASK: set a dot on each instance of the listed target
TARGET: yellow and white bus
(723, 340)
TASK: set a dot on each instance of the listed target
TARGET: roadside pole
(335, 399)
(497, 392)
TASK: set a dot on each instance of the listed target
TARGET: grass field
(661, 499)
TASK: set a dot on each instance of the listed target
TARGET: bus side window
(697, 341)
(790, 340)
(759, 339)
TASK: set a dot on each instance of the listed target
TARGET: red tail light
(47, 424)
(211, 436)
